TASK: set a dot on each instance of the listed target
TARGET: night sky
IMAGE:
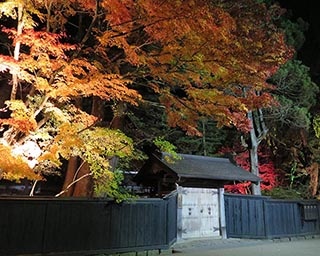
(310, 52)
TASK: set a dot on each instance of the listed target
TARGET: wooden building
(199, 181)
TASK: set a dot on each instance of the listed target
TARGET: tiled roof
(204, 167)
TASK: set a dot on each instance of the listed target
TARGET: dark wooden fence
(35, 226)
(263, 217)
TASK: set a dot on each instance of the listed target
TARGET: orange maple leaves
(209, 50)
(201, 47)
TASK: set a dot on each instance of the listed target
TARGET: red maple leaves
(267, 170)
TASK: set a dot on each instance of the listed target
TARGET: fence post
(222, 214)
(171, 217)
(179, 212)
(318, 220)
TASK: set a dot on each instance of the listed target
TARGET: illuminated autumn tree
(48, 77)
(77, 67)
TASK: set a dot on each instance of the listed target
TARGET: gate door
(199, 213)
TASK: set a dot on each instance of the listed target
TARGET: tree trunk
(75, 171)
(119, 116)
(118, 123)
(16, 53)
(255, 188)
(84, 187)
(254, 162)
(70, 176)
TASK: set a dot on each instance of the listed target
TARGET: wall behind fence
(263, 217)
(59, 226)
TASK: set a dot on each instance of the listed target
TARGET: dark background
(309, 54)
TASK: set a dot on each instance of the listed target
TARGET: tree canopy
(70, 68)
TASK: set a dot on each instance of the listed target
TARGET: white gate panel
(200, 213)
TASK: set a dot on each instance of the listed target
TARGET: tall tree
(289, 120)
(53, 75)
(291, 136)
(291, 126)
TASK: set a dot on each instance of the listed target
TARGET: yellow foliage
(14, 167)
(65, 144)
(21, 117)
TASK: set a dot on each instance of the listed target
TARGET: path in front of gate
(306, 246)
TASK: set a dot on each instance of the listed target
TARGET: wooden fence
(263, 217)
(35, 226)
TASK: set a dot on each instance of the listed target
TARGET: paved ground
(306, 246)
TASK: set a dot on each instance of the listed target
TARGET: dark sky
(310, 52)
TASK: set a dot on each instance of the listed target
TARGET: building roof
(192, 171)
(204, 167)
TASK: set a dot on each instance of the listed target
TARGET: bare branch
(72, 183)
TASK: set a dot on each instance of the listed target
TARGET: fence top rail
(246, 196)
(171, 194)
(298, 201)
(273, 200)
(75, 199)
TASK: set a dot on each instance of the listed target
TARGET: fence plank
(172, 202)
(62, 227)
(23, 222)
(263, 217)
(244, 216)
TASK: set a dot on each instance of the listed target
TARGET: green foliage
(99, 146)
(283, 193)
(290, 114)
(316, 126)
(209, 143)
(166, 146)
(294, 82)
(293, 175)
(295, 32)
(109, 184)
(291, 138)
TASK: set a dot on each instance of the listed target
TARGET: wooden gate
(198, 213)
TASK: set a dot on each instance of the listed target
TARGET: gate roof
(193, 171)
